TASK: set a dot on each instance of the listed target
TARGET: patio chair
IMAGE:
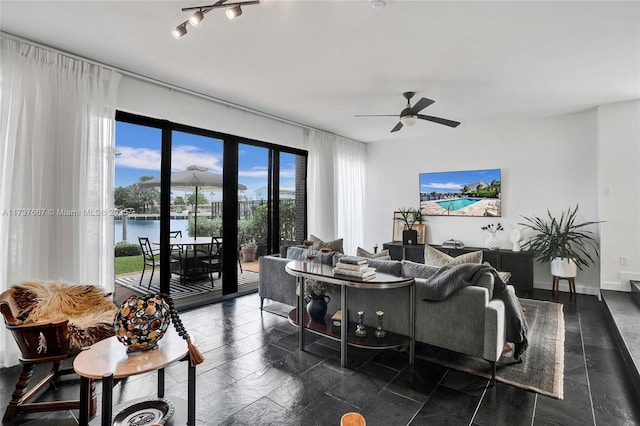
(176, 251)
(150, 258)
(213, 262)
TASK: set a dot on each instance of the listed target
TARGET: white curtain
(335, 188)
(56, 170)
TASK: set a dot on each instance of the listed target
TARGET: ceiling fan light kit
(233, 11)
(408, 120)
(410, 115)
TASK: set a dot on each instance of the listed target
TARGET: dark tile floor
(254, 375)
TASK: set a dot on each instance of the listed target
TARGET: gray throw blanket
(448, 279)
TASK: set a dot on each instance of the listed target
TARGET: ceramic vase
(409, 236)
(563, 267)
(492, 243)
(317, 307)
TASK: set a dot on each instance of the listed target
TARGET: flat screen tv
(461, 193)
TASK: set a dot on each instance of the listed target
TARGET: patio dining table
(190, 258)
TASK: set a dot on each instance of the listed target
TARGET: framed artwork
(398, 226)
(422, 232)
(462, 193)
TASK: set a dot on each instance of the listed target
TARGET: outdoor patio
(188, 294)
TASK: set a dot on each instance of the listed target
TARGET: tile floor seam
(475, 412)
(428, 396)
(586, 368)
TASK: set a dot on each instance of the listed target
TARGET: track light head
(234, 12)
(180, 30)
(196, 18)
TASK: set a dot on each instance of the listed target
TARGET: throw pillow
(335, 245)
(383, 255)
(435, 257)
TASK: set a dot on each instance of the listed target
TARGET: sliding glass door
(195, 183)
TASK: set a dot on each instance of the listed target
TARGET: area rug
(542, 367)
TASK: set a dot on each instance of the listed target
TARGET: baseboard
(615, 286)
(580, 288)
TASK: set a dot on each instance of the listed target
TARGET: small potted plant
(563, 242)
(409, 216)
(249, 250)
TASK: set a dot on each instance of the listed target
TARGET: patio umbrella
(193, 177)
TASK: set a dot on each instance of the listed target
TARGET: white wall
(152, 100)
(546, 163)
(619, 193)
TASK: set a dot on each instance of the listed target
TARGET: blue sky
(139, 149)
(455, 181)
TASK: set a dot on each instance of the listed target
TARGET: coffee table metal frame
(303, 270)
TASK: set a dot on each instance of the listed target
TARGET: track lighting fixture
(180, 30)
(233, 11)
(196, 18)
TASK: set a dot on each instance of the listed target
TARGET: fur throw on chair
(89, 310)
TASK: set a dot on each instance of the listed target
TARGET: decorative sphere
(141, 321)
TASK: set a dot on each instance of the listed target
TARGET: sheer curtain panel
(336, 185)
(56, 170)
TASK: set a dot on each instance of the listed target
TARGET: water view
(147, 228)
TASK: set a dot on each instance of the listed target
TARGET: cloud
(181, 158)
(448, 185)
(138, 158)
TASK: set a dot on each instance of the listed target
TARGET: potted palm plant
(563, 242)
(249, 250)
(409, 216)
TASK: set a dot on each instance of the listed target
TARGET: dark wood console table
(519, 263)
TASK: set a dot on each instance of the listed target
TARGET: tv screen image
(461, 193)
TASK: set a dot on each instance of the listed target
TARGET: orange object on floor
(352, 419)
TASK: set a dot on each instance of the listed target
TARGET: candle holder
(361, 331)
(380, 333)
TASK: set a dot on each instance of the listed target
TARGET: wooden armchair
(39, 342)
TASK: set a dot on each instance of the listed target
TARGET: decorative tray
(144, 412)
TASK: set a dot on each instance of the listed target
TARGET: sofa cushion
(435, 257)
(300, 253)
(335, 245)
(417, 270)
(383, 255)
(284, 248)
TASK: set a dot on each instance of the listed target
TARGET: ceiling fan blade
(398, 127)
(421, 104)
(376, 115)
(439, 120)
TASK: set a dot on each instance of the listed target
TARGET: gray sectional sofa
(468, 322)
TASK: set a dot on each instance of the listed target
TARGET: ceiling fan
(410, 114)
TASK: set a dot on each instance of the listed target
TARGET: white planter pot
(562, 267)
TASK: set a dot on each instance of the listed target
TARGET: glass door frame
(231, 144)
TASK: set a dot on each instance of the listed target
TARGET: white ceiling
(319, 63)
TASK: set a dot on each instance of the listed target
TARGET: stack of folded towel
(354, 267)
